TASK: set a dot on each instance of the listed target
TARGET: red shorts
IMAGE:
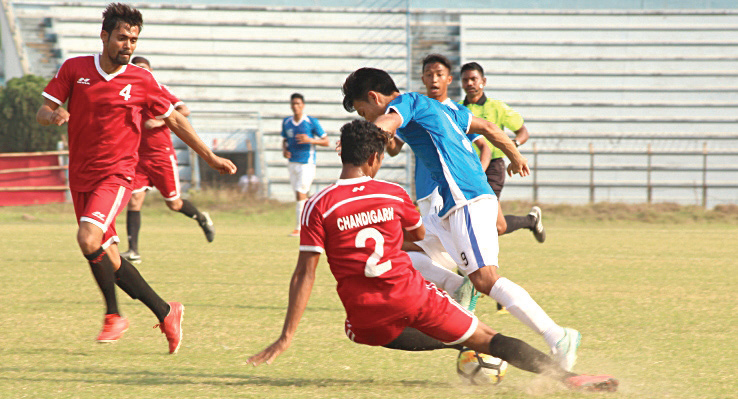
(439, 317)
(101, 206)
(158, 170)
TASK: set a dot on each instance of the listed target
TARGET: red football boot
(113, 328)
(172, 326)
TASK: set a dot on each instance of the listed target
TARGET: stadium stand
(575, 73)
(220, 58)
(625, 72)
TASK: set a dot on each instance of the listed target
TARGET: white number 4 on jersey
(126, 92)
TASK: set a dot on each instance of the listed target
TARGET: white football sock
(520, 304)
(298, 211)
(440, 276)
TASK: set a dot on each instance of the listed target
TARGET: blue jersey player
(426, 189)
(300, 134)
(437, 136)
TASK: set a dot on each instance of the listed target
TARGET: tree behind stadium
(19, 132)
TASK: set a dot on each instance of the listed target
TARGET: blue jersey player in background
(437, 136)
(300, 134)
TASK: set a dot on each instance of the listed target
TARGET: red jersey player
(359, 223)
(106, 101)
(157, 167)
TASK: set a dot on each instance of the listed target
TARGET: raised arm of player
(389, 123)
(301, 286)
(182, 128)
(518, 163)
(51, 113)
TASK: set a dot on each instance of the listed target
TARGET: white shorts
(430, 204)
(468, 235)
(301, 176)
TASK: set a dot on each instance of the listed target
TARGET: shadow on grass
(118, 377)
(190, 305)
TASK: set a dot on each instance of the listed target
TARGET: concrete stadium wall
(607, 72)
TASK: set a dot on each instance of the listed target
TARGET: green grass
(656, 303)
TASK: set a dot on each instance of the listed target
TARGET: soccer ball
(480, 369)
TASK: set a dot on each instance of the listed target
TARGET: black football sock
(526, 357)
(499, 307)
(129, 280)
(519, 222)
(103, 271)
(413, 340)
(191, 211)
(133, 226)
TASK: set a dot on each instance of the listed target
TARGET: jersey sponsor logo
(358, 189)
(84, 81)
(365, 218)
(99, 215)
(290, 133)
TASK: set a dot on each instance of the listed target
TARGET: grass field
(656, 304)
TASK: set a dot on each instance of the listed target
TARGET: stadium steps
(40, 52)
(615, 71)
(567, 72)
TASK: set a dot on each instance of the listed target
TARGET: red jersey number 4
(126, 92)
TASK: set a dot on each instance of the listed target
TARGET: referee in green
(499, 113)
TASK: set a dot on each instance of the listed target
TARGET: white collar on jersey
(103, 73)
(450, 103)
(355, 180)
(304, 118)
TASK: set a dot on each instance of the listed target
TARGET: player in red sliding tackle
(359, 222)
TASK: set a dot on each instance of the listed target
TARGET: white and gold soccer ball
(480, 369)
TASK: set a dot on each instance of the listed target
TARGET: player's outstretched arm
(51, 113)
(518, 163)
(300, 287)
(182, 128)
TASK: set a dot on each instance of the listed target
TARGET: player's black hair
(140, 60)
(358, 85)
(433, 58)
(359, 140)
(119, 12)
(472, 66)
(297, 95)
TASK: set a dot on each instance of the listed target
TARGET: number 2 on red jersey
(373, 268)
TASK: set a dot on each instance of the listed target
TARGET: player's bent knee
(136, 201)
(88, 241)
(501, 227)
(484, 279)
(480, 339)
(175, 205)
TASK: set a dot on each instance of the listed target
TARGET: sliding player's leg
(472, 243)
(441, 324)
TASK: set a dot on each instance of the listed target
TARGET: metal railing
(650, 161)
